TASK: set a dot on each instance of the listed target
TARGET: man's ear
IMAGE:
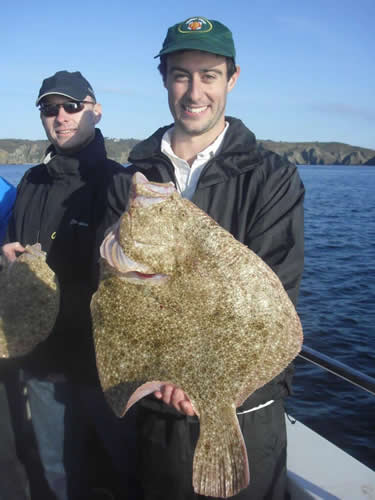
(97, 112)
(233, 79)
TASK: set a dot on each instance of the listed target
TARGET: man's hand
(174, 396)
(10, 250)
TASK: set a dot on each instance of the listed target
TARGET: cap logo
(200, 24)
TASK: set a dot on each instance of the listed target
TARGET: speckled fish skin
(29, 302)
(219, 325)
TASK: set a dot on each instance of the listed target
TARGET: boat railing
(355, 377)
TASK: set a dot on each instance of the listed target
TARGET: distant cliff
(19, 151)
(319, 153)
(371, 161)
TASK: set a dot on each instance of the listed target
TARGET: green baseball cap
(199, 33)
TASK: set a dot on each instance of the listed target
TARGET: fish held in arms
(29, 302)
(181, 301)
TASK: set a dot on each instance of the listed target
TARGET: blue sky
(307, 66)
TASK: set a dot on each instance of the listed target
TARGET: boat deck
(320, 470)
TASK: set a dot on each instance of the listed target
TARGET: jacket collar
(80, 164)
(238, 154)
(239, 139)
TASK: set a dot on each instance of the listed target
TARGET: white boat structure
(317, 469)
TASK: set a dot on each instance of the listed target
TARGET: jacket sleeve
(117, 195)
(113, 200)
(276, 233)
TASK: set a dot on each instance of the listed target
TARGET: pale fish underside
(182, 301)
(29, 302)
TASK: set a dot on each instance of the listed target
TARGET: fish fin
(144, 390)
(123, 396)
(220, 467)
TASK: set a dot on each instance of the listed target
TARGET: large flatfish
(182, 301)
(29, 302)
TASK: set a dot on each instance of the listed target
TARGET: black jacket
(66, 204)
(255, 195)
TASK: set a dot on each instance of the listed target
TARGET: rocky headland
(319, 153)
(19, 151)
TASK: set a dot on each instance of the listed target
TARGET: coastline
(21, 152)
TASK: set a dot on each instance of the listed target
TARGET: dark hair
(231, 67)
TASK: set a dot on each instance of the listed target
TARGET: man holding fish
(257, 196)
(64, 205)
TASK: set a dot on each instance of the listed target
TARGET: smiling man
(256, 195)
(65, 204)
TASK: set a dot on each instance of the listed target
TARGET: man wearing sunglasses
(65, 204)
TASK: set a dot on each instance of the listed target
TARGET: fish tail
(220, 466)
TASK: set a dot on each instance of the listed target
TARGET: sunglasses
(70, 107)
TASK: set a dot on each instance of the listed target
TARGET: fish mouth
(145, 193)
(139, 278)
(122, 265)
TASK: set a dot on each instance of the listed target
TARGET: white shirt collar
(210, 151)
(187, 177)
